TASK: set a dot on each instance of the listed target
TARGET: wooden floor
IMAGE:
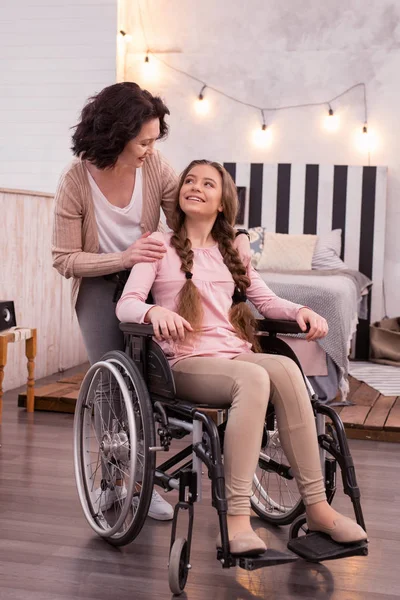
(48, 552)
(372, 416)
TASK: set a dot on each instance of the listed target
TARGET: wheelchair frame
(187, 478)
(176, 419)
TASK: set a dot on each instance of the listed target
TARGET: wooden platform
(372, 416)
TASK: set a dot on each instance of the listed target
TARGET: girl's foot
(242, 539)
(322, 517)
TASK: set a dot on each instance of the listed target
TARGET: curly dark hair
(112, 118)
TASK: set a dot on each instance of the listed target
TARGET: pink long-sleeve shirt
(213, 279)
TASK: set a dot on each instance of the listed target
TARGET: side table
(18, 334)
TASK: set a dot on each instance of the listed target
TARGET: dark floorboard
(48, 552)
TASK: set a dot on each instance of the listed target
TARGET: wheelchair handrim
(80, 473)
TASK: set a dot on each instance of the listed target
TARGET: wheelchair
(127, 411)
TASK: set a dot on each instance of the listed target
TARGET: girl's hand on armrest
(167, 324)
(145, 249)
(318, 325)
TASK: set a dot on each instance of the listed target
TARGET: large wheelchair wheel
(113, 433)
(275, 498)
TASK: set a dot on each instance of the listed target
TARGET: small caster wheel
(299, 526)
(178, 567)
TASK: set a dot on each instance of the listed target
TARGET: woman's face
(201, 192)
(142, 146)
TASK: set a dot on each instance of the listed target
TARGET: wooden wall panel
(41, 295)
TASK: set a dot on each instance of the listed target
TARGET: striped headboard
(300, 198)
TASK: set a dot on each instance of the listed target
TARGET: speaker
(7, 315)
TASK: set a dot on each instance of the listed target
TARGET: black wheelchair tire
(120, 358)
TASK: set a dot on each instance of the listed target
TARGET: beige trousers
(246, 383)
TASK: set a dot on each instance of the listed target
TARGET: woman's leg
(297, 430)
(246, 389)
(99, 325)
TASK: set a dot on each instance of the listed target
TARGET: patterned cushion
(327, 251)
(286, 252)
(256, 244)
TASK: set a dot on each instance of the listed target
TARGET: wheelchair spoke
(113, 449)
(275, 496)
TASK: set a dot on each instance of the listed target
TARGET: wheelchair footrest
(317, 547)
(268, 559)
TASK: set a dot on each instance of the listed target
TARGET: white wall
(42, 297)
(54, 54)
(271, 53)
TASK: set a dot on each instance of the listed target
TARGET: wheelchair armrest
(264, 325)
(137, 329)
(279, 326)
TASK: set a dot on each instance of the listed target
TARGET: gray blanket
(335, 295)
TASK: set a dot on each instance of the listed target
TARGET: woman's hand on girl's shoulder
(167, 324)
(318, 325)
(146, 249)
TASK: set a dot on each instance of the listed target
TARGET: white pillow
(327, 251)
(286, 252)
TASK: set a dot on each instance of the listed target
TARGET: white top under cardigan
(118, 228)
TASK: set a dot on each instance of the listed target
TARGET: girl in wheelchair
(206, 329)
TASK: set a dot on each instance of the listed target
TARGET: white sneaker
(104, 499)
(159, 508)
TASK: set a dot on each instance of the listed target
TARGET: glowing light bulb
(149, 69)
(202, 105)
(331, 121)
(125, 36)
(366, 140)
(262, 138)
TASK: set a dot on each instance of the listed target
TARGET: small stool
(17, 334)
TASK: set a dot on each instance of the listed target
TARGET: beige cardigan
(75, 244)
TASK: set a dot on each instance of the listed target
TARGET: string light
(149, 69)
(262, 137)
(366, 140)
(331, 121)
(202, 105)
(271, 108)
(125, 36)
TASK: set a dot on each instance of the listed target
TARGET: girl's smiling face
(201, 192)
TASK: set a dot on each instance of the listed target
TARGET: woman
(207, 331)
(107, 203)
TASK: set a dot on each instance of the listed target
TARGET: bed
(341, 210)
